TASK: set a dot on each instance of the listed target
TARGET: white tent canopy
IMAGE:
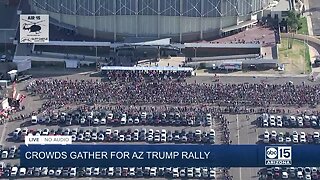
(138, 68)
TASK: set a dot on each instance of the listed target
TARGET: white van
(22, 172)
(14, 171)
(34, 120)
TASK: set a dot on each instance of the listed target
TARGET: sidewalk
(308, 16)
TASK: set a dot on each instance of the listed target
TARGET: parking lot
(243, 127)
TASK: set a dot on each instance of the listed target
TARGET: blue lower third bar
(169, 155)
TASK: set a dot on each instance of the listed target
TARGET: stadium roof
(75, 43)
(139, 68)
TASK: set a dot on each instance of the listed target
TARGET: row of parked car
(9, 153)
(116, 172)
(303, 121)
(307, 173)
(288, 138)
(103, 118)
(128, 135)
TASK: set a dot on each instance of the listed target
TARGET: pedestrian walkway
(308, 14)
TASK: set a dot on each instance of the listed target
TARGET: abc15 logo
(279, 153)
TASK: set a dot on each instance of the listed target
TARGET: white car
(299, 175)
(101, 137)
(308, 177)
(121, 138)
(175, 172)
(25, 131)
(212, 173)
(73, 172)
(14, 171)
(136, 121)
(285, 175)
(279, 118)
(153, 172)
(143, 115)
(108, 132)
(130, 121)
(17, 131)
(288, 140)
(273, 134)
(103, 121)
(74, 131)
(272, 120)
(110, 116)
(316, 135)
(22, 171)
(279, 123)
(96, 171)
(212, 133)
(303, 138)
(132, 171)
(300, 121)
(51, 172)
(190, 172)
(163, 139)
(295, 140)
(150, 132)
(198, 132)
(94, 137)
(157, 138)
(96, 121)
(123, 121)
(197, 172)
(265, 123)
(110, 171)
(45, 132)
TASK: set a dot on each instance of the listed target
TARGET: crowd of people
(60, 92)
(138, 76)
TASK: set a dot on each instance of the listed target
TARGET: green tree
(293, 25)
(293, 21)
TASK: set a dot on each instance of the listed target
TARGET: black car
(139, 172)
(30, 171)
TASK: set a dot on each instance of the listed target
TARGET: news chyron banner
(34, 28)
(168, 155)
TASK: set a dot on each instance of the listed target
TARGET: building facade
(181, 20)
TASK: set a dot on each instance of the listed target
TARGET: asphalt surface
(315, 16)
(243, 131)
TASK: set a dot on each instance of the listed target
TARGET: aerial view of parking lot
(161, 89)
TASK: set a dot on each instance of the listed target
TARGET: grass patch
(303, 26)
(308, 63)
(296, 59)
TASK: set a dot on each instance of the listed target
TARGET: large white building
(181, 20)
